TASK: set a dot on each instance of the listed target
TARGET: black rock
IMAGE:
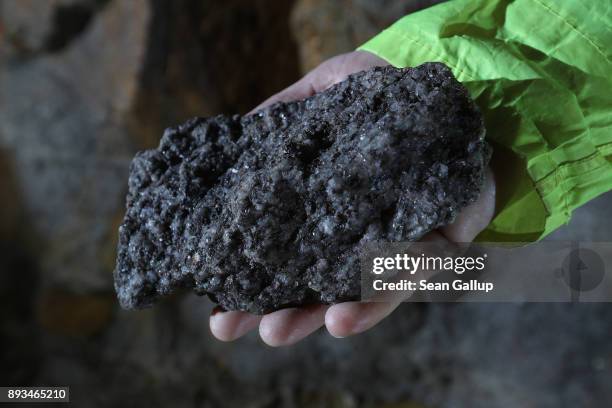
(268, 211)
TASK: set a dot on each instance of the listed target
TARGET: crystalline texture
(268, 211)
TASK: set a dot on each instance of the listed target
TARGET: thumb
(328, 73)
(475, 217)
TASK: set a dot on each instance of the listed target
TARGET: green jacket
(541, 72)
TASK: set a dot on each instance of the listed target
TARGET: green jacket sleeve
(541, 72)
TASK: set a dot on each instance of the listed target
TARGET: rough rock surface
(267, 211)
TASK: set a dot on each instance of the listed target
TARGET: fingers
(228, 326)
(346, 319)
(288, 326)
(325, 75)
(475, 217)
(280, 328)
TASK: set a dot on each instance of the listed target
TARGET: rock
(268, 211)
(72, 115)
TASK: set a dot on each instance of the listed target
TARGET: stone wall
(84, 84)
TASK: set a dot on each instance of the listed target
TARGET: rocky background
(86, 83)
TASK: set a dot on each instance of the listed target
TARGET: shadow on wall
(20, 351)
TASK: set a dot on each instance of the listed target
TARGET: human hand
(287, 326)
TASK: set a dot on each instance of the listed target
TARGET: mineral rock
(270, 210)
